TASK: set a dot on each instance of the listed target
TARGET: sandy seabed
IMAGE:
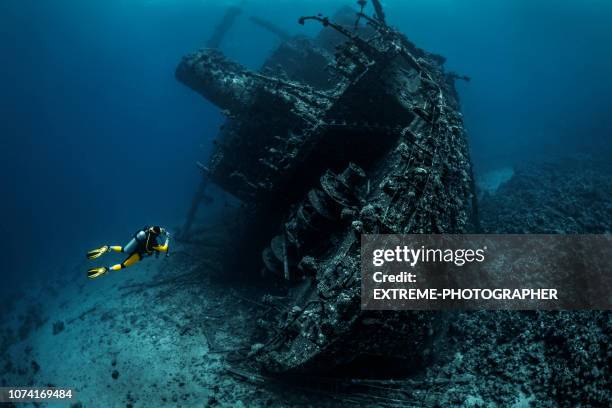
(156, 334)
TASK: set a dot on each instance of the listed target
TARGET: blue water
(98, 138)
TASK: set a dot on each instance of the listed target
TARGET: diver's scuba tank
(137, 240)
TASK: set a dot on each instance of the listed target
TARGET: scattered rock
(564, 196)
(212, 401)
(553, 358)
(31, 320)
(58, 327)
(115, 374)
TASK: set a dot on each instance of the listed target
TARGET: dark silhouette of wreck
(356, 131)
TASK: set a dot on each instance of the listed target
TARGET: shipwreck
(355, 131)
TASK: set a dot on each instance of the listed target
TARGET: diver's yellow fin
(96, 253)
(94, 273)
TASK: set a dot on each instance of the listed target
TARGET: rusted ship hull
(376, 146)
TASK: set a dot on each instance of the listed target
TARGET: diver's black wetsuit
(144, 243)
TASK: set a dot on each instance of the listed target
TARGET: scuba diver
(144, 243)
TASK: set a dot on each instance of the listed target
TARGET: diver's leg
(98, 252)
(131, 260)
(118, 248)
(97, 272)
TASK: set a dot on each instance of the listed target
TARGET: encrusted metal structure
(356, 131)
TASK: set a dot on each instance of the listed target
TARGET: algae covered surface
(322, 121)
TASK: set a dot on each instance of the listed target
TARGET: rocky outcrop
(562, 196)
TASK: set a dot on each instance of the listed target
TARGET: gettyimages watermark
(495, 272)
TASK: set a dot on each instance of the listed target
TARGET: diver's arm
(163, 248)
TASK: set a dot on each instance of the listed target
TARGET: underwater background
(98, 138)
